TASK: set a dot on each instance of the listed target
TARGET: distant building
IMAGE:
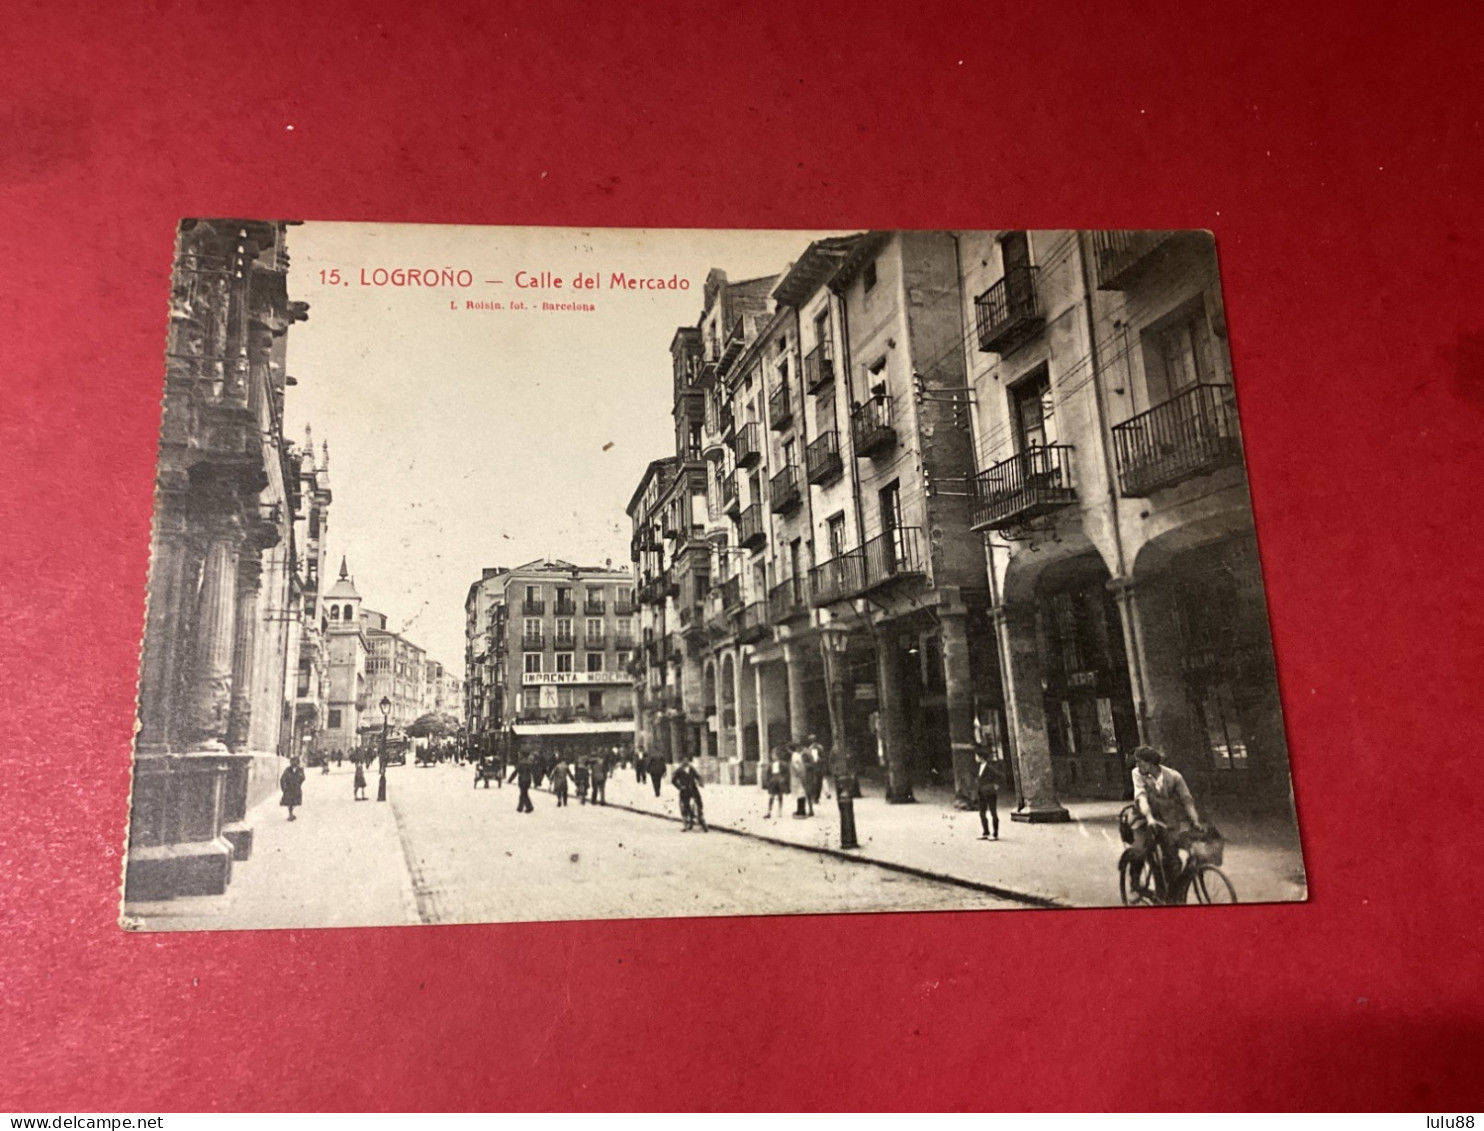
(345, 641)
(552, 656)
(394, 672)
(309, 678)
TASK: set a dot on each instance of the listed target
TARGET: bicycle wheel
(1207, 883)
(1134, 880)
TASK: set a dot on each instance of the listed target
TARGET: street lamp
(834, 639)
(386, 710)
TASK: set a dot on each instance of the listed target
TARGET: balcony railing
(624, 642)
(533, 642)
(895, 554)
(623, 607)
(1023, 487)
(752, 527)
(731, 594)
(1192, 433)
(822, 459)
(564, 607)
(838, 578)
(594, 607)
(748, 445)
(780, 409)
(787, 600)
(752, 622)
(819, 367)
(533, 606)
(871, 425)
(730, 502)
(1120, 257)
(564, 641)
(784, 490)
(594, 641)
(1009, 313)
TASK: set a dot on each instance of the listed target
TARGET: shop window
(1222, 725)
(333, 722)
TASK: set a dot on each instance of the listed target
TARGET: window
(334, 612)
(622, 659)
(594, 627)
(533, 592)
(334, 718)
(789, 453)
(533, 626)
(564, 661)
(1177, 352)
(533, 661)
(564, 628)
(1033, 412)
(594, 700)
(835, 534)
(595, 661)
(877, 377)
(564, 697)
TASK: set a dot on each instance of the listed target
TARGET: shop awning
(584, 726)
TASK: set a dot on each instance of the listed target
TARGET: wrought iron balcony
(623, 607)
(747, 445)
(730, 502)
(594, 607)
(564, 641)
(730, 348)
(871, 425)
(784, 491)
(731, 594)
(838, 578)
(1009, 314)
(564, 607)
(752, 622)
(532, 642)
(594, 641)
(786, 600)
(533, 607)
(624, 642)
(1192, 433)
(893, 555)
(819, 367)
(752, 527)
(1120, 257)
(780, 408)
(1025, 486)
(822, 459)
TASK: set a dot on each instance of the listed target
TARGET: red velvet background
(1337, 152)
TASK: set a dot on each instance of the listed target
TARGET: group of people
(797, 770)
(561, 769)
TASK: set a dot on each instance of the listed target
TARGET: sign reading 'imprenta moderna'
(537, 679)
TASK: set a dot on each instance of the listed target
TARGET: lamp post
(386, 710)
(834, 639)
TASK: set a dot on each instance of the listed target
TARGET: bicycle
(1142, 875)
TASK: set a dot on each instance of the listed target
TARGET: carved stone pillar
(164, 637)
(216, 623)
(1020, 665)
(798, 702)
(244, 644)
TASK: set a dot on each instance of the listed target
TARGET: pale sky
(468, 438)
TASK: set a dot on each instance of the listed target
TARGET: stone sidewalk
(1074, 864)
(339, 864)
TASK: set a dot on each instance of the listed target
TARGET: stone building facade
(940, 490)
(224, 590)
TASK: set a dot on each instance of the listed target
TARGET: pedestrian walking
(797, 784)
(656, 772)
(583, 776)
(600, 781)
(523, 775)
(292, 784)
(777, 780)
(813, 774)
(360, 780)
(560, 776)
(987, 790)
(688, 782)
(641, 766)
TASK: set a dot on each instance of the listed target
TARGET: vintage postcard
(506, 574)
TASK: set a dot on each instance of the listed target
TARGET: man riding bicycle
(1163, 799)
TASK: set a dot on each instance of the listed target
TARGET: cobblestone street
(443, 852)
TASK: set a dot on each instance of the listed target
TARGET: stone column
(165, 631)
(798, 703)
(211, 678)
(1150, 637)
(1122, 589)
(958, 680)
(1020, 666)
(890, 720)
(249, 576)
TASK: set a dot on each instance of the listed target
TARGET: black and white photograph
(538, 574)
